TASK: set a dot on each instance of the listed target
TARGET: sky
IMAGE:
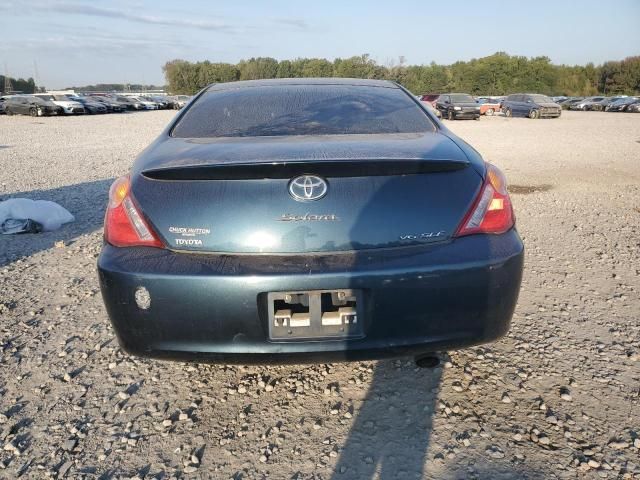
(72, 43)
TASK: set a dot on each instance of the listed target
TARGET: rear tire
(8, 111)
(489, 112)
(33, 111)
(508, 112)
(533, 114)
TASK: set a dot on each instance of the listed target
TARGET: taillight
(492, 211)
(123, 223)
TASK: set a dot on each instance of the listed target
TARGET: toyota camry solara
(308, 220)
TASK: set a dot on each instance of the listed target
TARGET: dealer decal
(188, 235)
(189, 231)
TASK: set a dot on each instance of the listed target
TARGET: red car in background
(430, 100)
(488, 106)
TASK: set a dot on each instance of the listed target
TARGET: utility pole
(8, 88)
(35, 75)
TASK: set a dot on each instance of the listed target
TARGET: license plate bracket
(315, 315)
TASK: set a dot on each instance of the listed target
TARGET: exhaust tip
(427, 361)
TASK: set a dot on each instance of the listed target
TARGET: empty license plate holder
(315, 314)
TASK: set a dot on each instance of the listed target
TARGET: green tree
(317, 67)
(257, 68)
(496, 74)
(182, 77)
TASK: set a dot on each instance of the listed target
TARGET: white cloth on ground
(49, 214)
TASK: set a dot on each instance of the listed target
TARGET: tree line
(115, 87)
(497, 74)
(18, 84)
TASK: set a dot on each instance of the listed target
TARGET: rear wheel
(507, 112)
(533, 114)
(489, 112)
(8, 111)
(450, 115)
(33, 111)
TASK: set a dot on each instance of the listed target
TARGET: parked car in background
(69, 107)
(162, 102)
(146, 104)
(179, 101)
(586, 103)
(429, 106)
(566, 104)
(531, 105)
(110, 104)
(405, 246)
(429, 98)
(489, 106)
(130, 102)
(601, 105)
(454, 106)
(621, 104)
(90, 106)
(31, 105)
(633, 108)
(2, 103)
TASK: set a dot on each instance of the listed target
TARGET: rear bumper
(212, 308)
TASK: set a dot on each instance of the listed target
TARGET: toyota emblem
(307, 187)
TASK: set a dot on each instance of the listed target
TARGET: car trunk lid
(233, 195)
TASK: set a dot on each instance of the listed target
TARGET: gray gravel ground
(559, 397)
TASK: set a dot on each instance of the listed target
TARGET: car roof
(359, 82)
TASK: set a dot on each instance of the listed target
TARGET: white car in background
(69, 107)
(146, 103)
(179, 101)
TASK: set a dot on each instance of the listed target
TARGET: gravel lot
(559, 397)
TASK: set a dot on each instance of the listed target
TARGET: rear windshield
(302, 110)
(462, 98)
(540, 99)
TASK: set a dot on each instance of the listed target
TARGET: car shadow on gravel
(390, 435)
(392, 432)
(86, 201)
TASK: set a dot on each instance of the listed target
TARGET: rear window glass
(462, 98)
(302, 110)
(540, 99)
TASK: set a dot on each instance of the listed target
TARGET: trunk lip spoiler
(285, 169)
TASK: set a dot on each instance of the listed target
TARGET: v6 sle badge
(423, 236)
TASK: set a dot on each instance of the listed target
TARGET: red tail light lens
(492, 211)
(124, 226)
